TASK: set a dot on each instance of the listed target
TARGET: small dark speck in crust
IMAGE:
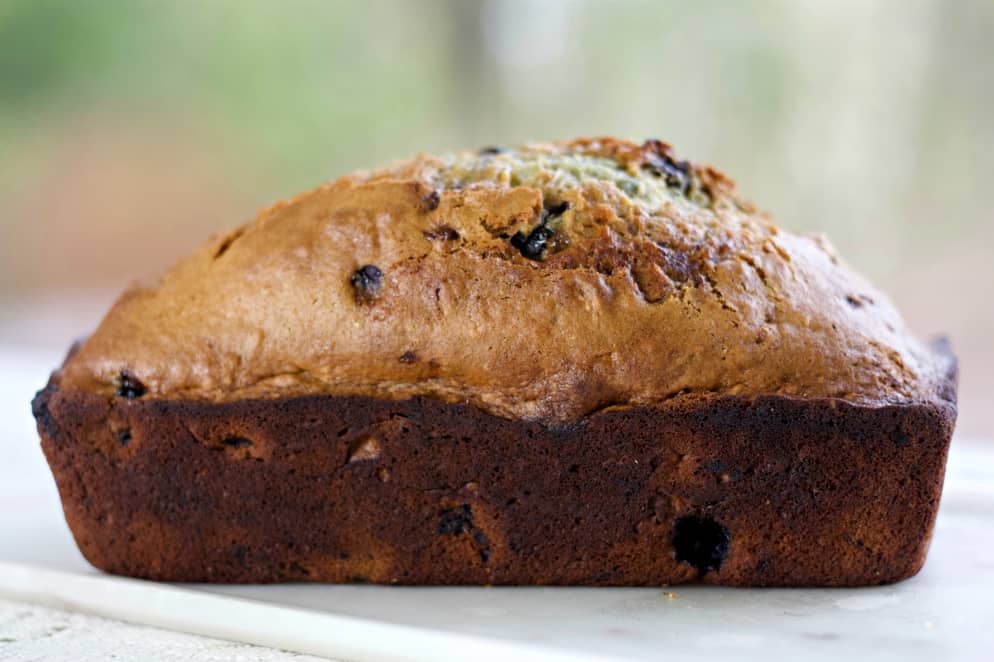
(431, 200)
(226, 244)
(555, 210)
(129, 387)
(900, 437)
(408, 357)
(442, 233)
(491, 150)
(858, 300)
(124, 436)
(700, 542)
(366, 282)
(237, 442)
(454, 521)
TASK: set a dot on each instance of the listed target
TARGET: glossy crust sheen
(771, 491)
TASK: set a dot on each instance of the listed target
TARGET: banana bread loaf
(585, 362)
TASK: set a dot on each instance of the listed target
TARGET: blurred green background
(130, 130)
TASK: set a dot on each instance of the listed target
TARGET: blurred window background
(130, 130)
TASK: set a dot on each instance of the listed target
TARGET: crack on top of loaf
(620, 195)
(648, 174)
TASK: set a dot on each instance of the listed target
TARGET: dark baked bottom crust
(772, 491)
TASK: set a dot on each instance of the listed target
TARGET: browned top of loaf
(648, 279)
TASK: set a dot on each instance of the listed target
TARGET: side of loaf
(772, 491)
(577, 363)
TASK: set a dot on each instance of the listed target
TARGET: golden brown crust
(672, 286)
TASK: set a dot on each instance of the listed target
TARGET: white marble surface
(31, 633)
(943, 613)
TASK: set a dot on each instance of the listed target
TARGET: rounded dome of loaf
(544, 282)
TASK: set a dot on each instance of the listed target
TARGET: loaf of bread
(585, 362)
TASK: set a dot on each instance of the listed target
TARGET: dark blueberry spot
(431, 200)
(408, 357)
(491, 150)
(39, 409)
(483, 544)
(533, 244)
(900, 437)
(454, 521)
(442, 233)
(700, 542)
(124, 436)
(129, 387)
(237, 442)
(366, 281)
(676, 173)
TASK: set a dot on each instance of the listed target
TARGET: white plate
(944, 613)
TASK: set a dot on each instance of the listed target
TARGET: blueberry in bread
(585, 362)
